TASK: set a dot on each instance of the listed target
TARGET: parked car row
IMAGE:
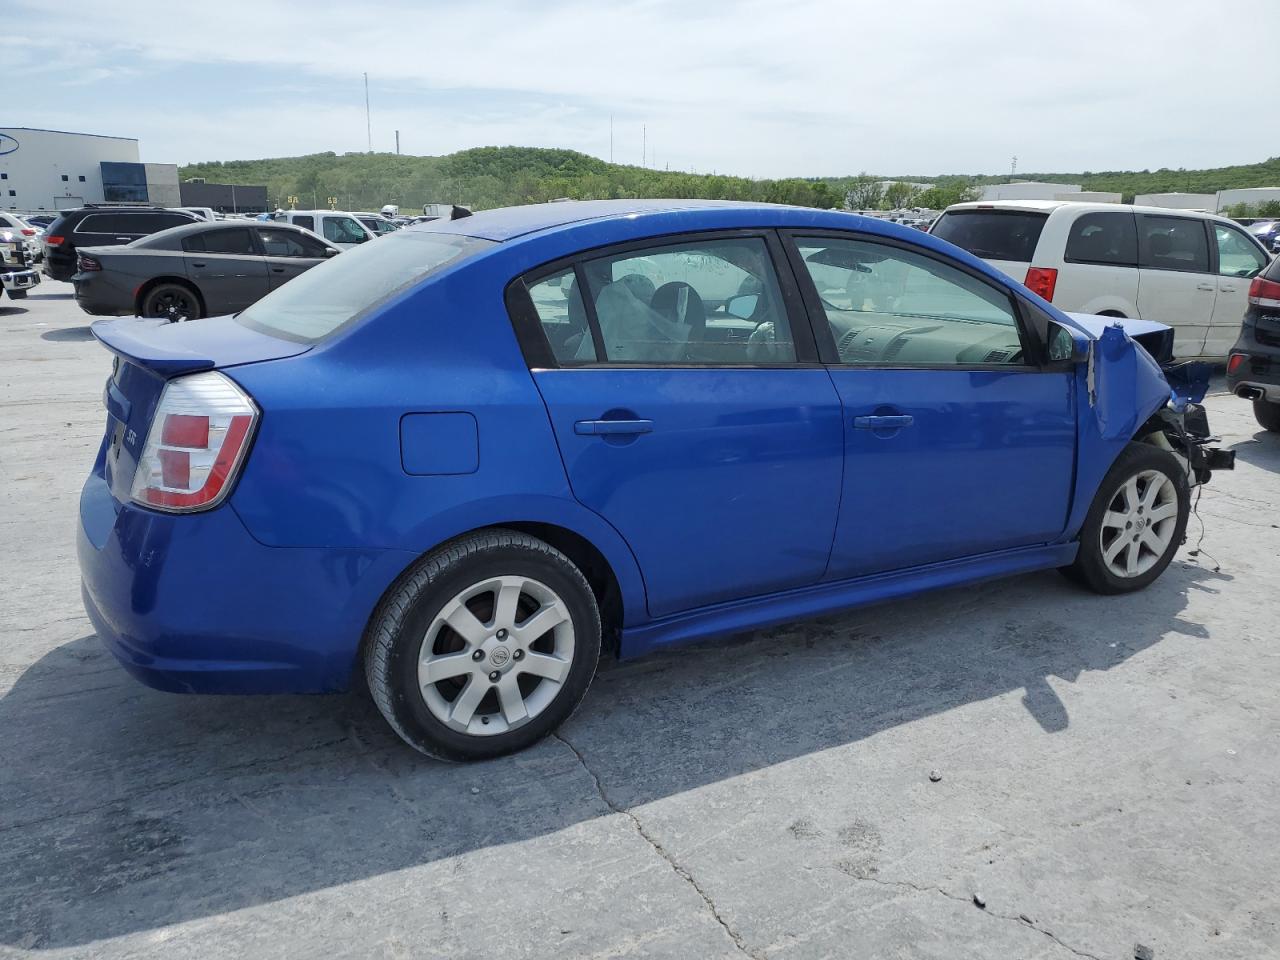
(488, 448)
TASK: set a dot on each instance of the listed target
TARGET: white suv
(1188, 270)
(340, 228)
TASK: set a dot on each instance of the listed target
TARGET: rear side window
(558, 303)
(1174, 243)
(339, 291)
(235, 241)
(1105, 238)
(993, 234)
(307, 223)
(343, 230)
(139, 224)
(288, 243)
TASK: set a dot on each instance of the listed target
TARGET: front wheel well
(154, 282)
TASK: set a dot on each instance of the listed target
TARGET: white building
(1251, 195)
(57, 170)
(1178, 201)
(1090, 196)
(1028, 190)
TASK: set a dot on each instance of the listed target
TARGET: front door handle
(612, 428)
(1204, 286)
(1227, 289)
(896, 422)
(277, 269)
(197, 264)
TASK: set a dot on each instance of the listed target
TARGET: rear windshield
(332, 294)
(1273, 271)
(993, 234)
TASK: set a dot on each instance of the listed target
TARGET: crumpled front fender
(1126, 385)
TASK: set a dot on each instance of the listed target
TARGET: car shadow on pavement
(68, 335)
(7, 310)
(127, 810)
(1263, 450)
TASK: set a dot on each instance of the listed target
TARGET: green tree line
(500, 176)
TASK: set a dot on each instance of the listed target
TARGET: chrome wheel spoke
(1131, 559)
(1114, 519)
(511, 700)
(1163, 512)
(1130, 491)
(508, 599)
(1113, 550)
(549, 616)
(445, 667)
(1155, 484)
(547, 667)
(463, 622)
(464, 705)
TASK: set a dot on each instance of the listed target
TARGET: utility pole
(644, 144)
(397, 143)
(368, 124)
(1013, 167)
(611, 138)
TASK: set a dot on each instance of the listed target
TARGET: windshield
(333, 294)
(993, 234)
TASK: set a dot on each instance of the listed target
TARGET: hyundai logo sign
(7, 144)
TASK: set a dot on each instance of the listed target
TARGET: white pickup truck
(17, 275)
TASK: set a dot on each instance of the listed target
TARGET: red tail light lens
(53, 241)
(28, 232)
(196, 444)
(1041, 281)
(1235, 363)
(87, 264)
(1264, 293)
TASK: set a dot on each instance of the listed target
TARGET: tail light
(84, 263)
(196, 444)
(53, 241)
(28, 232)
(1234, 364)
(1041, 281)
(1264, 293)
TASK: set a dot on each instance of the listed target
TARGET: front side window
(307, 222)
(343, 230)
(343, 289)
(1237, 255)
(1104, 238)
(288, 243)
(236, 241)
(707, 302)
(1174, 243)
(888, 305)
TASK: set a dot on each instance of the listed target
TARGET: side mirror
(331, 251)
(742, 307)
(1063, 346)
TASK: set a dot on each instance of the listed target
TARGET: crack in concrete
(671, 861)
(1021, 920)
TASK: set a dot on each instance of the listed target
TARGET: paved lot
(1110, 767)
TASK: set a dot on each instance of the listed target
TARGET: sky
(785, 88)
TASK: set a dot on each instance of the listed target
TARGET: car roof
(506, 223)
(1081, 206)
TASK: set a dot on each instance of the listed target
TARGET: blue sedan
(464, 460)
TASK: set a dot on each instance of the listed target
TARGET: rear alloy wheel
(171, 301)
(1267, 414)
(1136, 522)
(485, 647)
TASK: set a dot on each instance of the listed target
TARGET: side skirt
(756, 613)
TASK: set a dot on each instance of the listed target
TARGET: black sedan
(195, 270)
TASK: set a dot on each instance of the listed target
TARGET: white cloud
(805, 87)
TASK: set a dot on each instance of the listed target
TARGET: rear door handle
(883, 422)
(608, 428)
(277, 269)
(197, 264)
(1204, 286)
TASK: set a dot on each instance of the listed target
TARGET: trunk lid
(150, 352)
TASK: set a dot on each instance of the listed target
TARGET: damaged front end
(1130, 372)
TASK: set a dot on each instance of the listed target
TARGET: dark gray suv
(101, 226)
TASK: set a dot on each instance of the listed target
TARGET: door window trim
(1034, 351)
(537, 348)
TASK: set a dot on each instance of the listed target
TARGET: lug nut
(493, 677)
(502, 634)
(518, 655)
(478, 655)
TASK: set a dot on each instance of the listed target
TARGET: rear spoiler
(128, 339)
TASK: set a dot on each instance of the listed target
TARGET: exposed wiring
(1198, 549)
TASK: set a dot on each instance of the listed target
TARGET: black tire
(172, 301)
(1090, 568)
(1267, 414)
(399, 626)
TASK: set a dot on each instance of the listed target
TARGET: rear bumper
(19, 281)
(99, 296)
(1257, 376)
(193, 604)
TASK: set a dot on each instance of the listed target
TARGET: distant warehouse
(224, 197)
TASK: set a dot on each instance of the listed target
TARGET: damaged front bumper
(1183, 423)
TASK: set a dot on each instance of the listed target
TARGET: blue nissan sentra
(462, 461)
